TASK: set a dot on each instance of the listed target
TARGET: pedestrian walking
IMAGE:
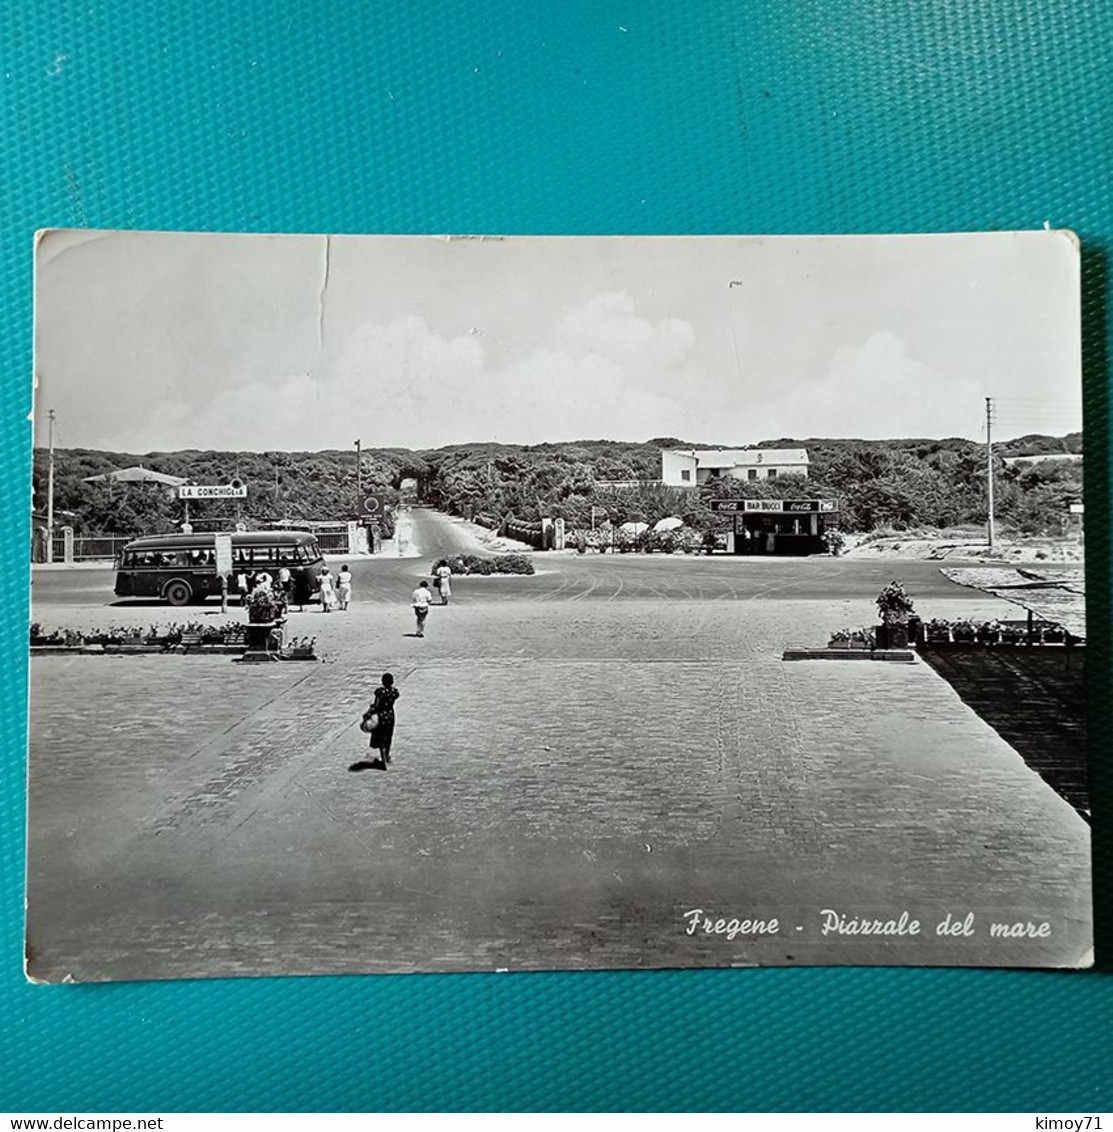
(421, 598)
(444, 582)
(381, 710)
(344, 587)
(285, 583)
(328, 594)
(241, 586)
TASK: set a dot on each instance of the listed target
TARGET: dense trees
(899, 484)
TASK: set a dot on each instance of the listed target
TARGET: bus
(181, 569)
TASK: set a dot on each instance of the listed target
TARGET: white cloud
(601, 370)
(872, 389)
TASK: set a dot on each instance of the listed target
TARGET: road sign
(372, 506)
(224, 554)
(774, 506)
(233, 490)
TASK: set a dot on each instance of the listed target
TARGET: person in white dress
(444, 582)
(328, 594)
(344, 587)
(420, 602)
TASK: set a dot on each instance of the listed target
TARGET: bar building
(693, 467)
(777, 526)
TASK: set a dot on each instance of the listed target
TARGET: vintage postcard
(472, 604)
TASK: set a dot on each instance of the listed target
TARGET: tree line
(897, 484)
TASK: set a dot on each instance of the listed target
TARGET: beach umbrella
(669, 524)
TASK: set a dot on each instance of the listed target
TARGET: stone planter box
(263, 641)
(892, 636)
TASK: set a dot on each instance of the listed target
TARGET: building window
(771, 474)
(685, 475)
(752, 474)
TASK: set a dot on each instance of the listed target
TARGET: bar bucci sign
(775, 506)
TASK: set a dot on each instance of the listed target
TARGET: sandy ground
(962, 545)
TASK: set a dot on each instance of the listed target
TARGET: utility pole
(359, 470)
(989, 464)
(50, 493)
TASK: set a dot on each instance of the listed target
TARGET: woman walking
(344, 587)
(328, 594)
(382, 706)
(420, 601)
(444, 581)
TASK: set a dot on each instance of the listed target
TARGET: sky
(151, 342)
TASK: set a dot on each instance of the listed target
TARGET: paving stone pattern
(569, 778)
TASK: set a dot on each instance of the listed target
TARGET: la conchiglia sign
(233, 490)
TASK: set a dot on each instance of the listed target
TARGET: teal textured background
(781, 116)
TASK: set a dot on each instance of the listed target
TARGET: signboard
(224, 554)
(775, 506)
(372, 506)
(212, 491)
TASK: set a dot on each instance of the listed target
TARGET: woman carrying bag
(378, 720)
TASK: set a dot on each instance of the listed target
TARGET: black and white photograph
(440, 604)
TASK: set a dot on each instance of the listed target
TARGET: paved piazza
(581, 758)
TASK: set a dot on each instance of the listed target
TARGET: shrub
(476, 564)
(514, 564)
(689, 540)
(664, 541)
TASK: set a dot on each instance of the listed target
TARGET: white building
(690, 467)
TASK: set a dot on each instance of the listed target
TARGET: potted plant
(937, 631)
(1012, 634)
(834, 540)
(895, 608)
(989, 632)
(1053, 635)
(963, 630)
(852, 639)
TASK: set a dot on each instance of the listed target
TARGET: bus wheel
(178, 593)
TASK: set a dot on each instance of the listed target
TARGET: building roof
(137, 474)
(747, 457)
